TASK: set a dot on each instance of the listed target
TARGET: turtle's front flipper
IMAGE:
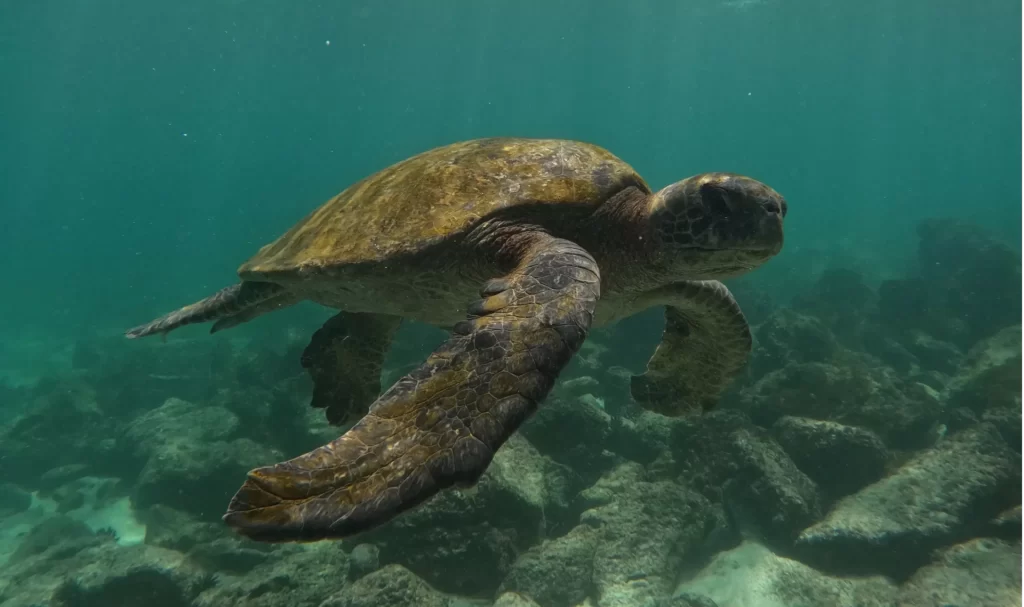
(344, 359)
(441, 424)
(230, 306)
(705, 344)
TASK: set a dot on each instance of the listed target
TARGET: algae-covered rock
(990, 377)
(465, 541)
(788, 337)
(840, 459)
(59, 533)
(977, 573)
(940, 497)
(191, 458)
(855, 390)
(364, 559)
(177, 530)
(582, 449)
(102, 575)
(646, 533)
(688, 599)
(1006, 525)
(730, 460)
(13, 499)
(513, 599)
(635, 536)
(966, 285)
(394, 586)
(295, 575)
(62, 425)
(199, 478)
(558, 572)
(752, 575)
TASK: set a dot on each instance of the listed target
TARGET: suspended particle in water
(328, 43)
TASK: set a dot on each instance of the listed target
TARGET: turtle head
(716, 225)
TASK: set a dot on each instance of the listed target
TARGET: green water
(147, 149)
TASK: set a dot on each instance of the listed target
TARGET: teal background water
(147, 149)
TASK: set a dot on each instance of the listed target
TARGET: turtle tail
(230, 306)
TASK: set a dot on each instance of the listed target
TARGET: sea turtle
(542, 239)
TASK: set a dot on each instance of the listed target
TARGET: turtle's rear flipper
(229, 307)
(344, 359)
(706, 343)
(440, 425)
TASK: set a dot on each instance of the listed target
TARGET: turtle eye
(716, 200)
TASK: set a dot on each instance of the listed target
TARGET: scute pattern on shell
(440, 194)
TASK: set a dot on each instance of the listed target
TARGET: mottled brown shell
(439, 194)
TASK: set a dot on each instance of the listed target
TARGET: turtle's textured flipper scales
(706, 343)
(230, 306)
(344, 360)
(440, 425)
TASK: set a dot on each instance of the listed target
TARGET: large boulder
(572, 429)
(64, 425)
(192, 458)
(296, 576)
(394, 586)
(787, 337)
(557, 572)
(977, 573)
(942, 496)
(635, 536)
(990, 377)
(465, 541)
(83, 571)
(514, 599)
(752, 575)
(731, 461)
(647, 531)
(840, 459)
(854, 390)
(966, 285)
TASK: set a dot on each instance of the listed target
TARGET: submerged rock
(296, 576)
(63, 425)
(465, 541)
(513, 599)
(940, 497)
(842, 302)
(978, 573)
(840, 459)
(364, 559)
(728, 459)
(191, 458)
(582, 449)
(394, 586)
(965, 288)
(788, 337)
(634, 537)
(752, 575)
(177, 530)
(688, 599)
(856, 390)
(557, 572)
(990, 377)
(105, 574)
(61, 534)
(13, 499)
(1007, 525)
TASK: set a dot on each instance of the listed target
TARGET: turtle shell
(440, 194)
